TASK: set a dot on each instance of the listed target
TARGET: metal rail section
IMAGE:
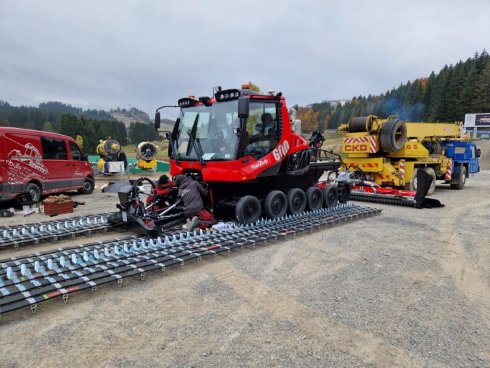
(52, 230)
(383, 199)
(29, 280)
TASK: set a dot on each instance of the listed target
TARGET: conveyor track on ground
(29, 280)
(52, 230)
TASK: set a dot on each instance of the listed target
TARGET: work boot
(192, 224)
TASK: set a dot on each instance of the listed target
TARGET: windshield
(212, 130)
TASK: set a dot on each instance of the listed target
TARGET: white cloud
(147, 53)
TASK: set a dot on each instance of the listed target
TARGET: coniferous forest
(448, 95)
(90, 125)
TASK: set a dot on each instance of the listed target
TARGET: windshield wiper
(195, 143)
(175, 148)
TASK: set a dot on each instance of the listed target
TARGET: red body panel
(383, 190)
(22, 161)
(247, 168)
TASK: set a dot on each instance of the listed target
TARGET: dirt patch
(407, 288)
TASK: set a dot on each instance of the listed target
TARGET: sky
(119, 53)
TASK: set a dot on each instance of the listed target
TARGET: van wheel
(88, 186)
(35, 192)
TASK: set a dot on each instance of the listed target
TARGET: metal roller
(361, 124)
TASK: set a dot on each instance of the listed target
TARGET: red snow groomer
(241, 145)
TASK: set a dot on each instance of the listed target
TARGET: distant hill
(132, 115)
(167, 124)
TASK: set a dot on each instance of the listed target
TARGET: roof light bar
(187, 102)
(227, 95)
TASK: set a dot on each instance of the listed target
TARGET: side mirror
(478, 152)
(157, 120)
(243, 107)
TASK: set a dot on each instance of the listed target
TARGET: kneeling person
(192, 193)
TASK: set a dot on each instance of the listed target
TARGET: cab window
(76, 154)
(263, 129)
(262, 120)
(54, 149)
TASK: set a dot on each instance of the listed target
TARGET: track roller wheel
(314, 198)
(344, 191)
(248, 209)
(296, 201)
(275, 204)
(330, 196)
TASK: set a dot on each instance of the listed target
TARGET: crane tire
(461, 179)
(275, 204)
(330, 196)
(248, 209)
(431, 172)
(296, 201)
(314, 198)
(393, 135)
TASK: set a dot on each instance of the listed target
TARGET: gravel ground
(408, 288)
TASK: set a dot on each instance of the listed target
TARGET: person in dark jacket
(163, 188)
(192, 192)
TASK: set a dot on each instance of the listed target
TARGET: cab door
(81, 167)
(474, 164)
(55, 158)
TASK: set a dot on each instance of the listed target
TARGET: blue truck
(464, 156)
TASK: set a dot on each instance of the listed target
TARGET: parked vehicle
(39, 163)
(390, 151)
(241, 146)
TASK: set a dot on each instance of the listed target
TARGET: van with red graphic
(39, 163)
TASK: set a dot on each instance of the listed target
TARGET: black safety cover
(424, 180)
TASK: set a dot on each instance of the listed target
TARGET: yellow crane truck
(390, 151)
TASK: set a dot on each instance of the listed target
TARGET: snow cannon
(146, 153)
(112, 158)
